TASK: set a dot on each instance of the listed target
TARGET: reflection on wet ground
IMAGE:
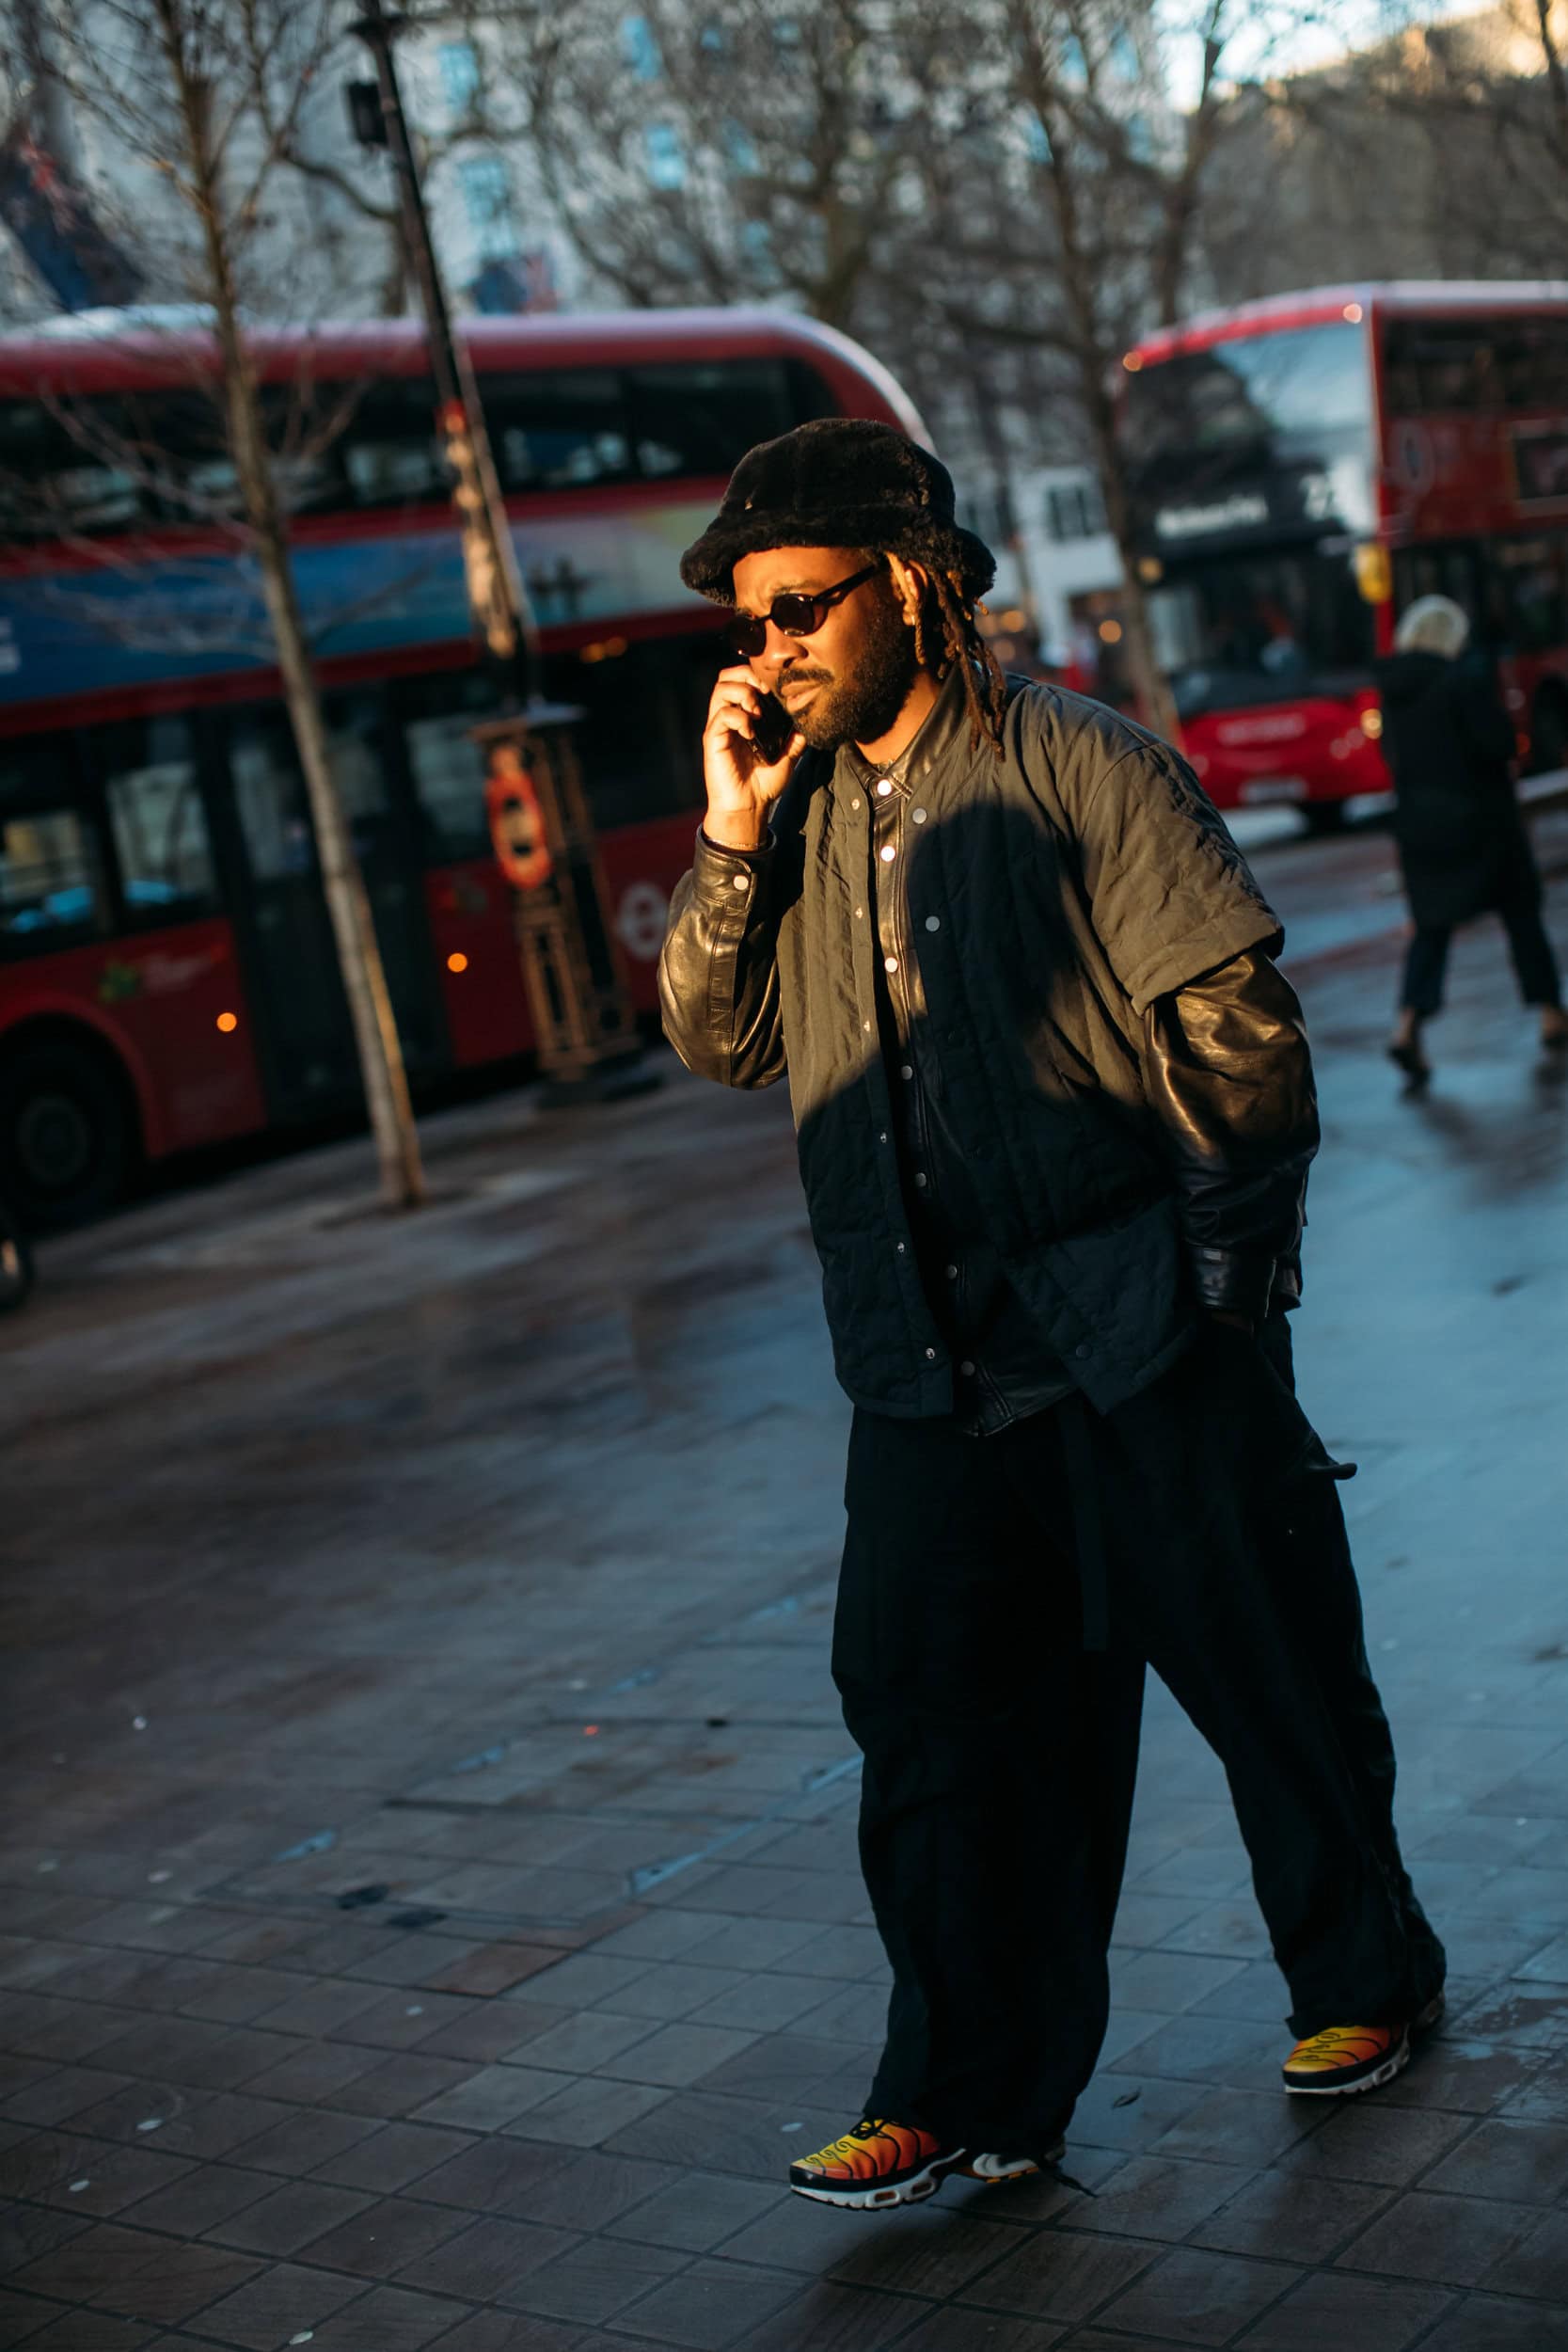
(431, 1910)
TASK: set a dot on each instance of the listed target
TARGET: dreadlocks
(946, 636)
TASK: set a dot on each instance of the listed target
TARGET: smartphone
(774, 729)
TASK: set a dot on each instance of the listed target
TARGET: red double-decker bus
(1304, 467)
(166, 973)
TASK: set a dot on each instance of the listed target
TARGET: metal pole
(502, 605)
(572, 963)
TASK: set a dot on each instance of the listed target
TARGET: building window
(1075, 511)
(487, 202)
(739, 149)
(1124, 60)
(642, 48)
(666, 163)
(459, 69)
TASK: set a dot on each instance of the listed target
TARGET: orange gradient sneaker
(877, 2163)
(1345, 2059)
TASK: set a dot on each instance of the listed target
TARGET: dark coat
(1056, 894)
(1449, 740)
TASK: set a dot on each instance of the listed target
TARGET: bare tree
(739, 153)
(1429, 149)
(997, 196)
(733, 151)
(202, 102)
(1484, 98)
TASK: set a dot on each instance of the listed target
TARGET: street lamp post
(583, 1024)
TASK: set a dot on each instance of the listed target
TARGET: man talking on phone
(1056, 1111)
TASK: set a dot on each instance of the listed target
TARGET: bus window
(181, 441)
(1447, 571)
(557, 431)
(65, 468)
(702, 417)
(157, 822)
(448, 772)
(269, 794)
(50, 880)
(93, 464)
(1487, 361)
(177, 442)
(1532, 360)
(1436, 363)
(390, 449)
(810, 396)
(306, 423)
(354, 729)
(1533, 611)
(1245, 628)
(640, 739)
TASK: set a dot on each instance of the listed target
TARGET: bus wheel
(1323, 816)
(67, 1139)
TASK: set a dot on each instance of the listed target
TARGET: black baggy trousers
(999, 1757)
(1534, 963)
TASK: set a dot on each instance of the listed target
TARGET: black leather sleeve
(719, 971)
(1229, 1076)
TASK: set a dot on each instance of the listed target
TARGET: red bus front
(1304, 467)
(1251, 443)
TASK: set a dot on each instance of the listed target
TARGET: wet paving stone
(1194, 2297)
(1456, 2240)
(1351, 2314)
(42, 2324)
(488, 2259)
(473, 1932)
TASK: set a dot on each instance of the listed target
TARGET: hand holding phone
(749, 754)
(774, 730)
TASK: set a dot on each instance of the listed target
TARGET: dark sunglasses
(794, 615)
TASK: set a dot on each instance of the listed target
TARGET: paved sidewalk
(428, 1912)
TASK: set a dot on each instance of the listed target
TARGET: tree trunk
(375, 1030)
(1152, 685)
(1556, 76)
(375, 1034)
(1083, 292)
(1150, 680)
(1157, 703)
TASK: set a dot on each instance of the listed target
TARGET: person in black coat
(1462, 845)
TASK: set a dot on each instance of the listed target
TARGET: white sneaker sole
(886, 2194)
(994, 2170)
(991, 2172)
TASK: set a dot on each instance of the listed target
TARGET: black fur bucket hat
(840, 482)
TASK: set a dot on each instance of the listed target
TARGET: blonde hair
(1433, 624)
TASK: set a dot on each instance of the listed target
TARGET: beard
(861, 708)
